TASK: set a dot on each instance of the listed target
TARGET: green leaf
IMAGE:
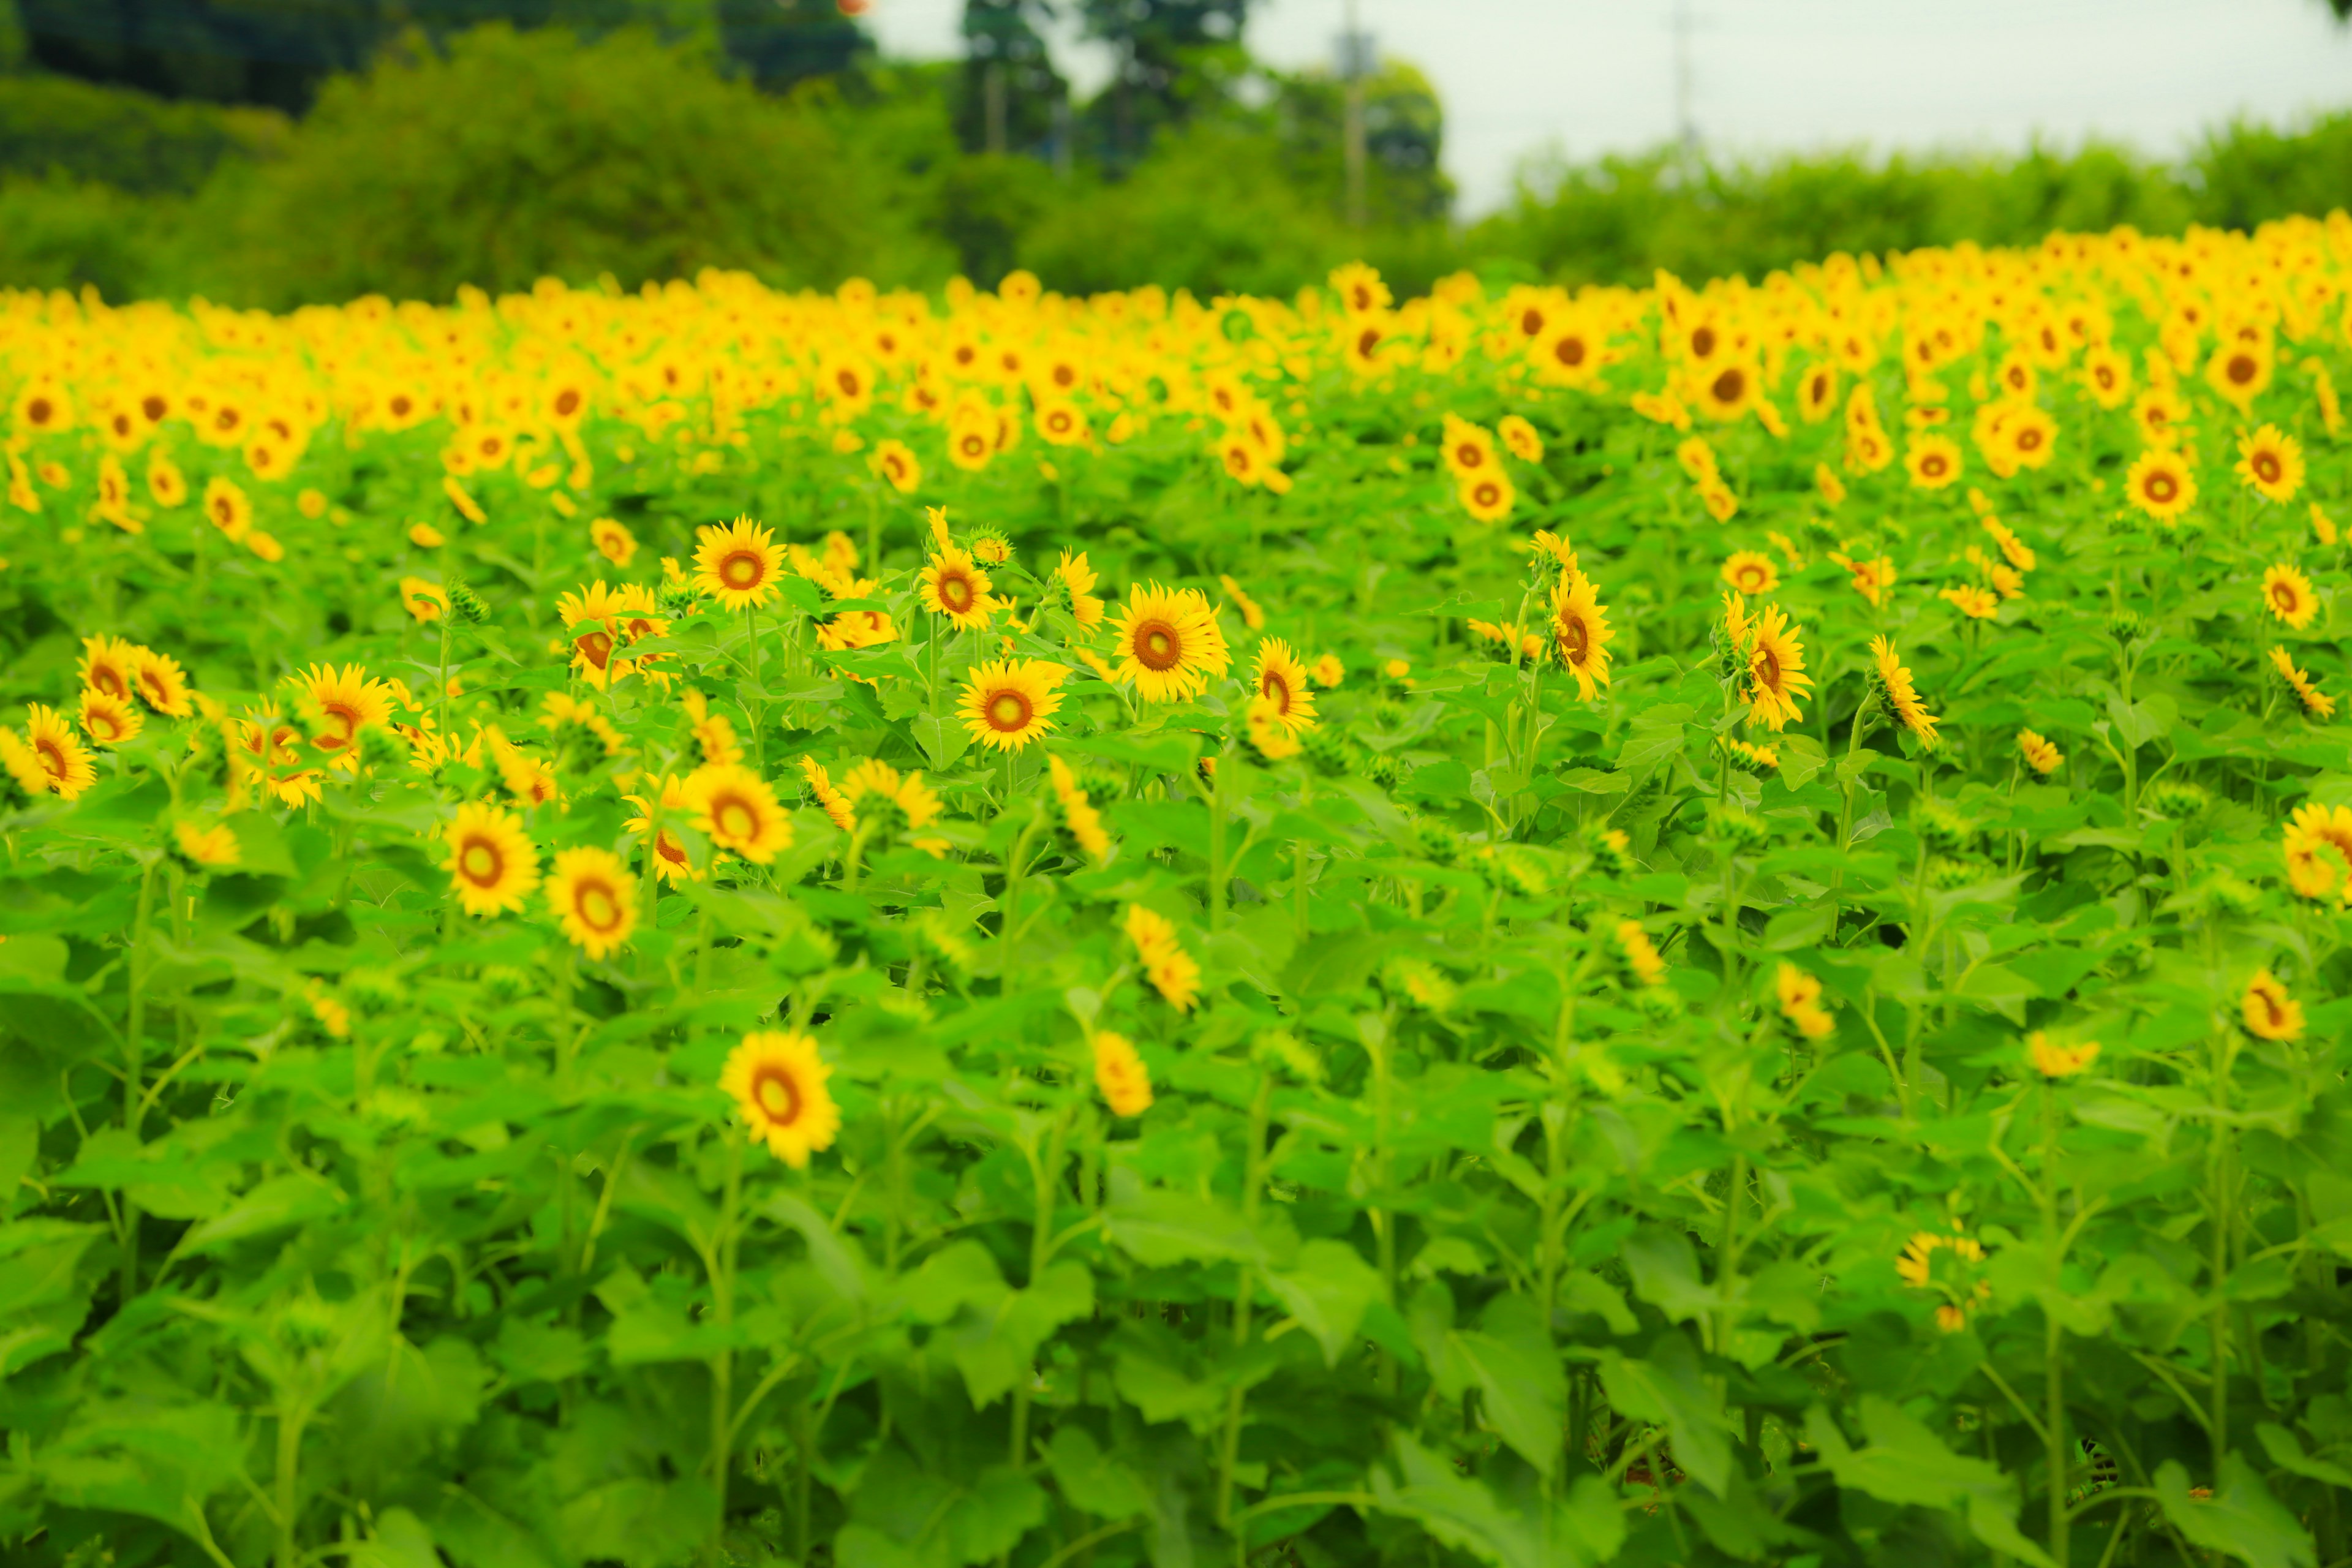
(1520, 1386)
(1665, 1270)
(1328, 1291)
(1090, 1479)
(1158, 1227)
(2287, 1454)
(1907, 1464)
(1586, 1529)
(2240, 1517)
(1666, 1386)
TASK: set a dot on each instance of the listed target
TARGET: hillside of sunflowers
(1694, 925)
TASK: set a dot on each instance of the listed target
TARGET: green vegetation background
(495, 156)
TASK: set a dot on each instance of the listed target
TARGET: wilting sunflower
(2288, 593)
(738, 565)
(1933, 461)
(671, 862)
(1487, 496)
(1121, 1074)
(160, 683)
(1281, 679)
(109, 720)
(735, 809)
(342, 703)
(492, 861)
(1895, 681)
(2269, 1012)
(1007, 703)
(951, 585)
(1168, 642)
(2271, 462)
(1775, 661)
(593, 897)
(66, 767)
(1580, 630)
(777, 1081)
(2160, 483)
(1750, 573)
(2040, 756)
(2315, 703)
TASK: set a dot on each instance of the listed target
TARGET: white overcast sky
(1587, 77)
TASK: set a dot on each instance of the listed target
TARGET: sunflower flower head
(777, 1081)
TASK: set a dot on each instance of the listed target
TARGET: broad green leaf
(2241, 1519)
(1327, 1290)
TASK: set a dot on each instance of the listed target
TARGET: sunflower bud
(1382, 768)
(1736, 830)
(372, 990)
(503, 984)
(1942, 828)
(1438, 841)
(2123, 624)
(2176, 800)
(1611, 850)
(1331, 752)
(1659, 1003)
(467, 606)
(1946, 872)
(676, 600)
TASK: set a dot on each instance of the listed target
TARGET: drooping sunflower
(342, 703)
(2287, 593)
(2040, 754)
(1580, 630)
(1933, 461)
(66, 767)
(671, 862)
(2315, 703)
(1894, 681)
(738, 564)
(161, 684)
(1168, 642)
(953, 586)
(593, 897)
(109, 720)
(777, 1079)
(2270, 462)
(735, 809)
(1750, 573)
(1280, 678)
(1007, 703)
(492, 863)
(1119, 1073)
(2160, 483)
(2269, 1012)
(1776, 680)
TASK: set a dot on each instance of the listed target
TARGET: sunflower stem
(2053, 1419)
(1217, 845)
(134, 1053)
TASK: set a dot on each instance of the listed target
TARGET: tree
(1404, 138)
(781, 43)
(1172, 58)
(1007, 96)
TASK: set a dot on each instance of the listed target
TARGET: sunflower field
(1696, 925)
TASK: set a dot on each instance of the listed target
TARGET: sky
(1582, 77)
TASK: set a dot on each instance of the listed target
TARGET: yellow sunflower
(1488, 497)
(1281, 679)
(1776, 680)
(896, 463)
(109, 720)
(2053, 1060)
(1934, 461)
(67, 767)
(428, 601)
(1977, 604)
(2288, 593)
(1580, 629)
(2315, 702)
(228, 508)
(2160, 483)
(1007, 703)
(1119, 1073)
(738, 565)
(2240, 371)
(593, 897)
(160, 683)
(2269, 1012)
(2040, 756)
(953, 586)
(777, 1081)
(1750, 573)
(110, 664)
(1168, 642)
(1894, 680)
(211, 847)
(671, 862)
(612, 540)
(342, 703)
(1520, 438)
(1469, 449)
(2270, 462)
(735, 809)
(492, 861)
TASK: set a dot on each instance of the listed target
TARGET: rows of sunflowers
(1697, 925)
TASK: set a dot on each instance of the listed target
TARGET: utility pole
(1355, 66)
(991, 104)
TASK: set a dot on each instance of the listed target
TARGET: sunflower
(1172, 971)
(208, 847)
(2052, 1061)
(264, 749)
(953, 586)
(2240, 372)
(913, 798)
(1487, 496)
(1933, 461)
(1643, 960)
(1775, 661)
(894, 462)
(1976, 603)
(66, 767)
(829, 800)
(1580, 629)
(1168, 642)
(737, 564)
(1281, 681)
(1725, 392)
(160, 683)
(1817, 394)
(1121, 1074)
(1008, 703)
(2029, 437)
(109, 720)
(110, 664)
(2160, 483)
(972, 439)
(735, 809)
(2040, 756)
(671, 862)
(1079, 579)
(428, 601)
(21, 763)
(2271, 462)
(1831, 488)
(1059, 421)
(2269, 1012)
(1901, 695)
(492, 863)
(1327, 671)
(593, 897)
(777, 1081)
(343, 701)
(612, 540)
(2315, 703)
(1084, 822)
(1520, 438)
(228, 508)
(2288, 593)
(1750, 573)
(1469, 449)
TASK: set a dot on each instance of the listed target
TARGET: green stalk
(720, 1261)
(134, 1044)
(1217, 846)
(2219, 1179)
(2053, 1417)
(1253, 1182)
(1040, 1252)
